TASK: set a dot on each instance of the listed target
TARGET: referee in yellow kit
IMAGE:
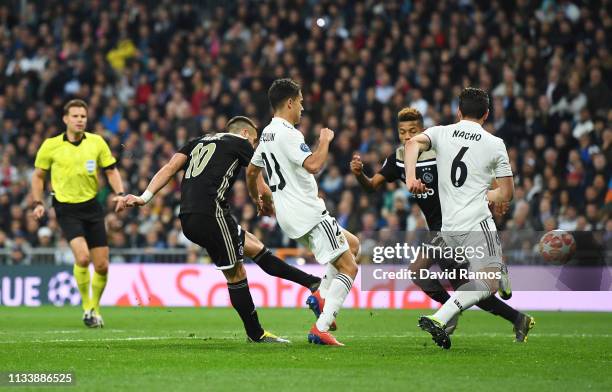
(73, 159)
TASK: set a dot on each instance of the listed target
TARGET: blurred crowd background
(158, 73)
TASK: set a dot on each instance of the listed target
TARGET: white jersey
(282, 151)
(469, 158)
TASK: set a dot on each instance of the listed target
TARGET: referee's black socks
(274, 266)
(241, 299)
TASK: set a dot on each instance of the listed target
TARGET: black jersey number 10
(281, 179)
(200, 156)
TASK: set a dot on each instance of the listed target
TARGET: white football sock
(330, 274)
(466, 296)
(338, 290)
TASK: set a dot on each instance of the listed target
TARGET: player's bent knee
(355, 248)
(82, 259)
(102, 269)
(346, 265)
(252, 245)
(353, 242)
(235, 274)
(493, 285)
(419, 264)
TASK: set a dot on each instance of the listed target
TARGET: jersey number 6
(459, 165)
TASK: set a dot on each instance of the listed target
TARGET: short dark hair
(238, 122)
(281, 90)
(75, 103)
(410, 114)
(473, 102)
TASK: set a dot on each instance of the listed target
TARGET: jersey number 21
(281, 179)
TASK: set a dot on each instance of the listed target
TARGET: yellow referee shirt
(74, 168)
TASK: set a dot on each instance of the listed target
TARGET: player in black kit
(211, 165)
(410, 123)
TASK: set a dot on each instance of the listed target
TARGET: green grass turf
(168, 349)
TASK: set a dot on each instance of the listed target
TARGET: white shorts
(326, 240)
(478, 248)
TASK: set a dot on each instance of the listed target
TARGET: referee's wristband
(147, 195)
(120, 193)
(37, 203)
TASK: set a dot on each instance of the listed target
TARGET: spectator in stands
(165, 75)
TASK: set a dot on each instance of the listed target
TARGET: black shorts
(82, 220)
(222, 237)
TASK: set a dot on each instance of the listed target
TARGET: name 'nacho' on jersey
(467, 135)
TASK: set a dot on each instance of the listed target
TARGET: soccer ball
(557, 246)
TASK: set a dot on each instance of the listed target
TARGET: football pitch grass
(173, 349)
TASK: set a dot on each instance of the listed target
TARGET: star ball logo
(63, 290)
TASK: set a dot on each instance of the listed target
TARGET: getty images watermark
(390, 256)
(534, 261)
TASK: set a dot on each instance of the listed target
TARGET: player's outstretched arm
(367, 183)
(265, 196)
(412, 148)
(252, 176)
(114, 178)
(504, 192)
(38, 185)
(159, 180)
(498, 209)
(314, 163)
(258, 190)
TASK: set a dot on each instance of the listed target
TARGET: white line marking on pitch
(79, 330)
(103, 339)
(296, 337)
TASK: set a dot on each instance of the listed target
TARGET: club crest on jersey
(428, 178)
(304, 147)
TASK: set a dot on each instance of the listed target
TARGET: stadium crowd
(156, 74)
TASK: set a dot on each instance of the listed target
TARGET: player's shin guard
(433, 288)
(241, 299)
(498, 307)
(326, 281)
(81, 275)
(336, 294)
(274, 266)
(98, 283)
(466, 296)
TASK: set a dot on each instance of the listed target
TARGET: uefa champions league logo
(63, 290)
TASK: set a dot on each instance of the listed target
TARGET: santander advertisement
(202, 285)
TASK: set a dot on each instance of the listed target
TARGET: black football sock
(498, 307)
(433, 288)
(241, 299)
(274, 266)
